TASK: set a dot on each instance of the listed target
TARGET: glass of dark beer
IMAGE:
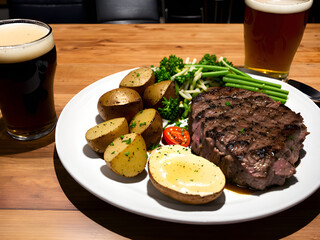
(273, 30)
(28, 62)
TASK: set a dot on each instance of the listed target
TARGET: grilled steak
(253, 139)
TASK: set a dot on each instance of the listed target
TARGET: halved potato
(101, 135)
(183, 176)
(127, 155)
(120, 102)
(138, 79)
(148, 123)
(154, 94)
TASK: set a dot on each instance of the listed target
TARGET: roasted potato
(120, 102)
(138, 79)
(127, 155)
(148, 123)
(154, 94)
(183, 176)
(101, 135)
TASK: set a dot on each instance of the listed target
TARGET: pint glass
(273, 30)
(27, 67)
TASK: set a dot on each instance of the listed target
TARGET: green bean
(214, 73)
(233, 69)
(283, 101)
(260, 85)
(253, 80)
(276, 94)
(254, 89)
(271, 94)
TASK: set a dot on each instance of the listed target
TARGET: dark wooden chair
(187, 11)
(127, 11)
(53, 11)
(203, 11)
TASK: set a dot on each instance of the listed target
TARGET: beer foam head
(280, 6)
(22, 41)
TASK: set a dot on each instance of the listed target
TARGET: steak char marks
(253, 139)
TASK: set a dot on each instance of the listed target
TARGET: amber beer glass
(27, 66)
(273, 30)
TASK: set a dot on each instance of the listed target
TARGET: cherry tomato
(176, 136)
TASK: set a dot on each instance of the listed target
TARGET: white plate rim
(158, 206)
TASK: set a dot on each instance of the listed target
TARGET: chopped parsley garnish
(128, 141)
(143, 124)
(133, 124)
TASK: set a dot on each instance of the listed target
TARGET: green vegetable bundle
(192, 78)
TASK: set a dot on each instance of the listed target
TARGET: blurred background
(132, 11)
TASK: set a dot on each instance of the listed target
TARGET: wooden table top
(40, 200)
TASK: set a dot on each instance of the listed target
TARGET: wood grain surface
(40, 200)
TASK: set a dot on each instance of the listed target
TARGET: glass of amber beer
(27, 66)
(273, 30)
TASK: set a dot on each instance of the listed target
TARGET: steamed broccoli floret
(208, 59)
(161, 74)
(183, 78)
(173, 64)
(168, 67)
(170, 110)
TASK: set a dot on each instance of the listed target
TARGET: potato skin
(127, 155)
(154, 94)
(182, 197)
(148, 123)
(119, 102)
(138, 79)
(101, 135)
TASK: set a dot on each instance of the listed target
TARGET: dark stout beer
(272, 32)
(27, 67)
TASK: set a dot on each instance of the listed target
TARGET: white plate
(138, 196)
